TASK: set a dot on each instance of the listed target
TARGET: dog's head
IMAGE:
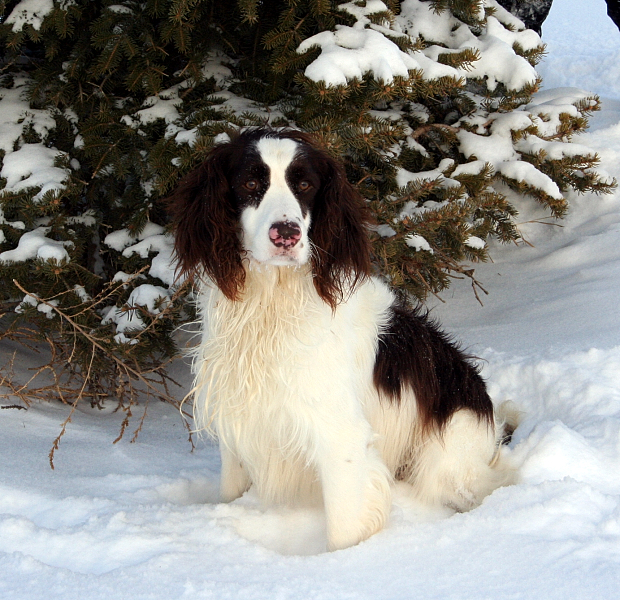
(276, 198)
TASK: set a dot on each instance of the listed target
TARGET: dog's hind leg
(461, 465)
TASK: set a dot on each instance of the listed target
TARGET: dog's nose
(284, 234)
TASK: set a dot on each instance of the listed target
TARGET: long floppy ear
(341, 248)
(207, 240)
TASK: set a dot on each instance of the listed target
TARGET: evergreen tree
(106, 104)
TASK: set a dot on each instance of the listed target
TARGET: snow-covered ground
(141, 520)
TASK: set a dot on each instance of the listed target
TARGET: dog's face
(275, 198)
(275, 186)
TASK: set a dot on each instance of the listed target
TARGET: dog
(321, 383)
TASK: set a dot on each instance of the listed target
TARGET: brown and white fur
(321, 383)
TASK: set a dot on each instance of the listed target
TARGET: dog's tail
(507, 419)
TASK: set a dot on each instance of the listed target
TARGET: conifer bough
(104, 105)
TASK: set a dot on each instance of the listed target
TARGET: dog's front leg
(355, 483)
(234, 480)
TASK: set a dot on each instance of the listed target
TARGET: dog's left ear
(341, 247)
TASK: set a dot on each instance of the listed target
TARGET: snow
(121, 239)
(403, 177)
(34, 244)
(418, 242)
(16, 113)
(349, 53)
(554, 150)
(499, 149)
(497, 60)
(493, 149)
(30, 12)
(471, 168)
(475, 242)
(33, 166)
(163, 265)
(522, 171)
(594, 63)
(127, 317)
(548, 105)
(149, 243)
(151, 239)
(163, 106)
(141, 520)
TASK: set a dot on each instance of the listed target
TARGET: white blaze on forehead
(279, 200)
(277, 154)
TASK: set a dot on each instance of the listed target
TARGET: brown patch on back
(413, 354)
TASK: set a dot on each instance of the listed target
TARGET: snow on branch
(29, 12)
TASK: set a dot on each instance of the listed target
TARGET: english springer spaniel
(321, 383)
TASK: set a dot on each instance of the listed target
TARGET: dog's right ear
(206, 225)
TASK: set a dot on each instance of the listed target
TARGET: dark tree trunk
(613, 10)
(532, 12)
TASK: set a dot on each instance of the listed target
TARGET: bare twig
(425, 129)
(124, 382)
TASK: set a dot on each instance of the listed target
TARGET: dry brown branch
(425, 129)
(523, 239)
(94, 341)
(129, 382)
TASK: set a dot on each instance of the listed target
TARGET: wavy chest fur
(272, 369)
(253, 357)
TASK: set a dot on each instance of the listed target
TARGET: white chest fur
(279, 376)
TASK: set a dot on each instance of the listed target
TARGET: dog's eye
(304, 186)
(251, 185)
